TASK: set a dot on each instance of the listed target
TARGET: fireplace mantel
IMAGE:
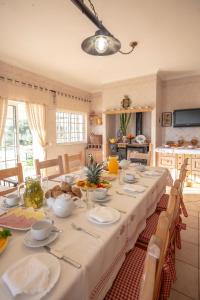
(117, 111)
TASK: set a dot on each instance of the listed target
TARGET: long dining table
(102, 257)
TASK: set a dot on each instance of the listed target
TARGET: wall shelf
(127, 111)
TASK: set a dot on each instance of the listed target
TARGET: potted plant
(124, 121)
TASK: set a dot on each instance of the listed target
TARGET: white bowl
(129, 177)
(100, 193)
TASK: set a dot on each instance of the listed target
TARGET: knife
(63, 257)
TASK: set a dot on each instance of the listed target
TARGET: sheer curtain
(3, 115)
(36, 119)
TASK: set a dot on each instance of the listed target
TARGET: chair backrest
(162, 237)
(11, 172)
(174, 203)
(73, 162)
(154, 261)
(138, 155)
(57, 162)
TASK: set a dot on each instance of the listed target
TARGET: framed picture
(166, 119)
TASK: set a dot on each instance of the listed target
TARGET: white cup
(100, 193)
(69, 179)
(41, 229)
(129, 177)
(12, 199)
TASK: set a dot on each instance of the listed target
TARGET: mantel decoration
(103, 42)
(166, 119)
(126, 102)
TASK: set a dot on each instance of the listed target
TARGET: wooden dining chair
(140, 275)
(152, 221)
(73, 162)
(51, 163)
(5, 174)
(144, 156)
(163, 201)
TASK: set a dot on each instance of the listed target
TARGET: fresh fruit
(94, 171)
(4, 234)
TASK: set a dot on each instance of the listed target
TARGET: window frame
(85, 126)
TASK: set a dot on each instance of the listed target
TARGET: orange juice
(113, 165)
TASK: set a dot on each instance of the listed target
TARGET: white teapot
(124, 164)
(64, 205)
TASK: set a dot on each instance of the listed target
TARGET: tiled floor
(187, 285)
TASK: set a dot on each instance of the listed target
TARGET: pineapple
(94, 171)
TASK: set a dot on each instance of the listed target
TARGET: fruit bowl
(84, 184)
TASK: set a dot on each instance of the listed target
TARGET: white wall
(180, 94)
(27, 94)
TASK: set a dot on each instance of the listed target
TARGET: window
(17, 143)
(70, 127)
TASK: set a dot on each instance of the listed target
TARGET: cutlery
(125, 194)
(63, 257)
(79, 228)
(119, 210)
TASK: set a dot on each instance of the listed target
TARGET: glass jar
(113, 165)
(33, 194)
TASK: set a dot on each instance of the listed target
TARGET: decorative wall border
(43, 89)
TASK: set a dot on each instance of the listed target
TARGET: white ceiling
(44, 36)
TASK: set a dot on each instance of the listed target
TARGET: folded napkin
(101, 214)
(29, 276)
(134, 188)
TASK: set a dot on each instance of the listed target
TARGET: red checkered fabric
(163, 202)
(127, 283)
(150, 229)
(168, 275)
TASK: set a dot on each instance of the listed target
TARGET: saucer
(29, 241)
(106, 199)
(129, 181)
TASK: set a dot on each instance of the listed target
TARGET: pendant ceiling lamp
(102, 43)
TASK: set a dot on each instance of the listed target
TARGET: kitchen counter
(178, 150)
(173, 158)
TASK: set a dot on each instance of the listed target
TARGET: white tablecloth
(100, 258)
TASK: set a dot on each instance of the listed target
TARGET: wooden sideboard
(173, 162)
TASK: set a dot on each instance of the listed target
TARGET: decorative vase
(124, 139)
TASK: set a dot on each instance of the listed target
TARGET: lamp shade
(101, 44)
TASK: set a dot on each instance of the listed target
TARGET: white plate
(116, 217)
(152, 173)
(140, 139)
(106, 199)
(29, 241)
(53, 265)
(136, 188)
(130, 181)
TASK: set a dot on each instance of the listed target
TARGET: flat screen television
(186, 117)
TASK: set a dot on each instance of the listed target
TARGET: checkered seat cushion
(163, 202)
(150, 229)
(127, 283)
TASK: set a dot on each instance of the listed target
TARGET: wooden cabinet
(167, 161)
(173, 162)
